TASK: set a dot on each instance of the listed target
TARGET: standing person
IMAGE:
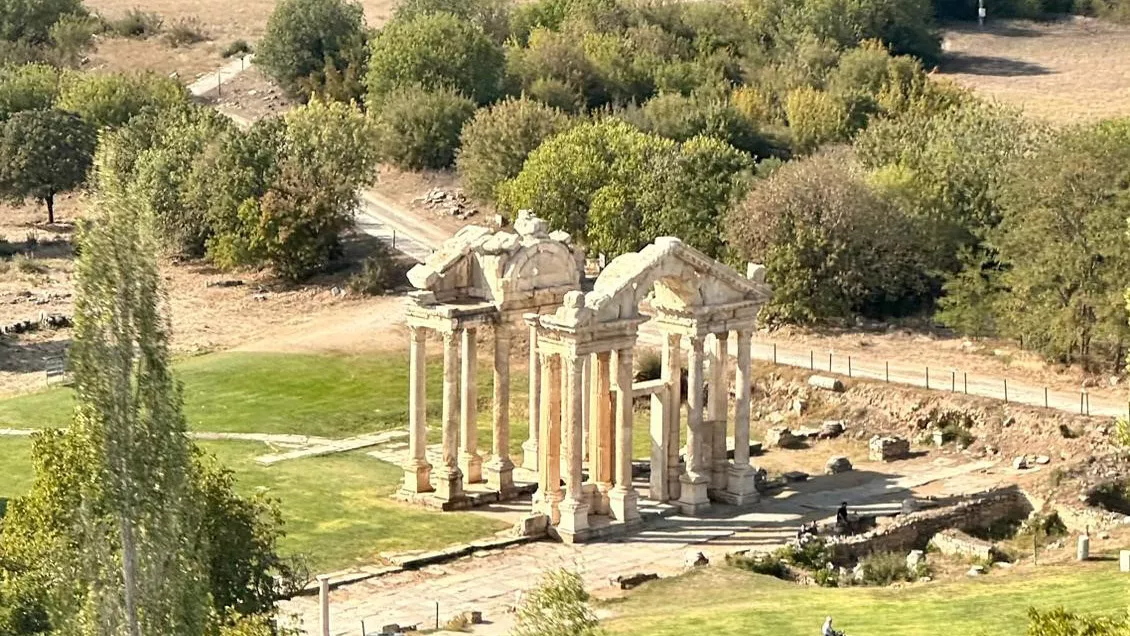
(842, 515)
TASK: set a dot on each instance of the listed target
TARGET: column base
(550, 506)
(449, 484)
(472, 467)
(601, 502)
(674, 486)
(741, 488)
(693, 499)
(574, 523)
(530, 455)
(719, 475)
(623, 505)
(500, 476)
(417, 477)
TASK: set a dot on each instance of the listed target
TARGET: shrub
(137, 23)
(25, 264)
(492, 16)
(434, 51)
(831, 246)
(498, 139)
(812, 554)
(379, 272)
(420, 129)
(236, 47)
(71, 37)
(112, 100)
(815, 118)
(884, 568)
(558, 606)
(555, 60)
(764, 564)
(27, 87)
(680, 118)
(1060, 622)
(649, 366)
(303, 37)
(30, 21)
(186, 31)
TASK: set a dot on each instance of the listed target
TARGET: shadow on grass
(989, 65)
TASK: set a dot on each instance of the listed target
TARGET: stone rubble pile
(45, 321)
(452, 203)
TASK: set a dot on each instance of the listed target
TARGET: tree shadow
(1006, 29)
(989, 65)
(29, 357)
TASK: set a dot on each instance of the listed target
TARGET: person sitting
(828, 631)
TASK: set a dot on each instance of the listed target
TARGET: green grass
(725, 601)
(15, 466)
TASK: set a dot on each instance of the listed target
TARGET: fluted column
(574, 510)
(741, 485)
(601, 441)
(719, 394)
(673, 374)
(530, 446)
(470, 462)
(417, 470)
(693, 484)
(500, 470)
(623, 498)
(549, 445)
(449, 479)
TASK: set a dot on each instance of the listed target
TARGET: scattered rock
(799, 405)
(627, 582)
(831, 429)
(224, 283)
(795, 476)
(915, 559)
(837, 465)
(909, 505)
(886, 449)
(781, 437)
(1104, 535)
(1043, 459)
(976, 570)
(826, 383)
(1020, 463)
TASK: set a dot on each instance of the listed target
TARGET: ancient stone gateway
(581, 374)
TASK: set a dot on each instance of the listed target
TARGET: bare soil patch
(1067, 71)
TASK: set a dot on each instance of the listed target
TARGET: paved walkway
(492, 582)
(213, 81)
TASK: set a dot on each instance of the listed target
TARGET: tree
(815, 118)
(434, 50)
(558, 606)
(420, 129)
(111, 100)
(831, 246)
(492, 16)
(497, 140)
(1060, 622)
(44, 153)
(30, 20)
(680, 118)
(27, 87)
(305, 38)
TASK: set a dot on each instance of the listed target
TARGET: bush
(498, 139)
(30, 21)
(649, 366)
(680, 118)
(379, 272)
(137, 23)
(71, 37)
(812, 554)
(492, 16)
(831, 246)
(884, 568)
(112, 100)
(764, 564)
(236, 47)
(25, 264)
(420, 128)
(434, 51)
(27, 87)
(186, 31)
(304, 37)
(1060, 622)
(815, 118)
(558, 606)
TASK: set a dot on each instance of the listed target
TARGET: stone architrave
(623, 498)
(741, 486)
(574, 511)
(693, 498)
(530, 446)
(449, 479)
(470, 462)
(417, 470)
(500, 469)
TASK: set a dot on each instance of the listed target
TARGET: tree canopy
(44, 153)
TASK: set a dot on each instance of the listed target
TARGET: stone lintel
(444, 320)
(649, 387)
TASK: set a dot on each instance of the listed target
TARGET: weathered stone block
(781, 437)
(837, 465)
(831, 429)
(887, 449)
(826, 383)
(957, 543)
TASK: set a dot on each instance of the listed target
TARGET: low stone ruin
(826, 383)
(837, 465)
(452, 203)
(45, 321)
(888, 449)
(953, 542)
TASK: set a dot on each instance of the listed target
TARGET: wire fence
(943, 379)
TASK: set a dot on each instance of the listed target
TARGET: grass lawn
(725, 601)
(337, 508)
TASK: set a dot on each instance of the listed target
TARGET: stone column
(673, 374)
(601, 440)
(530, 446)
(417, 470)
(586, 398)
(623, 498)
(449, 479)
(719, 397)
(500, 470)
(692, 497)
(660, 419)
(574, 510)
(741, 486)
(549, 445)
(470, 462)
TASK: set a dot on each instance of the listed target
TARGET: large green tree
(27, 87)
(44, 153)
(308, 40)
(111, 100)
(31, 20)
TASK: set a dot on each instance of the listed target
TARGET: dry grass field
(1064, 72)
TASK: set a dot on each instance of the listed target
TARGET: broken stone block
(831, 429)
(625, 582)
(781, 437)
(915, 559)
(695, 559)
(826, 383)
(956, 543)
(976, 570)
(794, 476)
(837, 465)
(534, 525)
(1020, 463)
(887, 449)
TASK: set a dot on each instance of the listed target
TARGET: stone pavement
(328, 447)
(492, 582)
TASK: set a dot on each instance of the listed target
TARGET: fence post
(437, 616)
(774, 353)
(829, 362)
(811, 360)
(1088, 402)
(393, 238)
(219, 85)
(1080, 403)
(965, 382)
(1006, 390)
(324, 601)
(887, 367)
(927, 377)
(363, 632)
(953, 381)
(849, 366)
(1045, 397)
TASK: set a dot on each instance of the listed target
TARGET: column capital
(698, 343)
(418, 333)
